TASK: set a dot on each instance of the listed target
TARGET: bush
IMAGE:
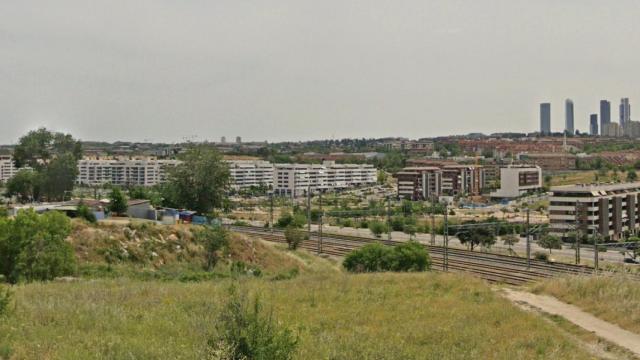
(542, 256)
(378, 228)
(409, 256)
(214, 239)
(34, 247)
(85, 213)
(243, 223)
(369, 258)
(287, 219)
(294, 237)
(245, 332)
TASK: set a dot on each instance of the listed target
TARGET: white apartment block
(297, 179)
(127, 172)
(606, 209)
(7, 168)
(248, 173)
(518, 180)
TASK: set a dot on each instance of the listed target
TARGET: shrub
(213, 238)
(409, 256)
(287, 219)
(85, 213)
(33, 247)
(369, 258)
(243, 223)
(245, 332)
(378, 228)
(542, 256)
(294, 237)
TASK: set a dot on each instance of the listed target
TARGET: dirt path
(601, 328)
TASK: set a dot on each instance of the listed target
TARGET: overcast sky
(165, 70)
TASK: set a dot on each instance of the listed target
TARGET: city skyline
(297, 71)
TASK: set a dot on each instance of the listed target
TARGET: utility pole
(433, 228)
(595, 240)
(389, 219)
(309, 210)
(528, 241)
(271, 212)
(320, 225)
(445, 259)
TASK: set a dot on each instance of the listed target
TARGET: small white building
(518, 180)
(7, 168)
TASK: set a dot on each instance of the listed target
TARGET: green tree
(477, 236)
(550, 242)
(118, 202)
(214, 239)
(25, 185)
(200, 182)
(34, 247)
(632, 175)
(510, 240)
(293, 236)
(54, 157)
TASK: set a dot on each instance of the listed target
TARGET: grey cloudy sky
(293, 69)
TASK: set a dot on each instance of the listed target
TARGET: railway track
(492, 267)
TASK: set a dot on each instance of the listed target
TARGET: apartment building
(7, 168)
(123, 172)
(419, 183)
(516, 180)
(296, 179)
(248, 173)
(610, 210)
(426, 182)
(462, 180)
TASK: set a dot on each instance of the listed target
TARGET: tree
(294, 236)
(411, 230)
(200, 182)
(54, 157)
(25, 185)
(477, 236)
(214, 239)
(34, 247)
(510, 240)
(632, 175)
(117, 202)
(550, 242)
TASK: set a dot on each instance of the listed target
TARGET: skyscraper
(545, 118)
(605, 114)
(593, 124)
(625, 112)
(568, 117)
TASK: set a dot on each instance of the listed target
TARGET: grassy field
(584, 177)
(615, 299)
(336, 316)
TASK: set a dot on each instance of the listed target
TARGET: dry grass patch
(612, 298)
(337, 316)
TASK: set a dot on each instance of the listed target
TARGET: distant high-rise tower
(625, 112)
(568, 114)
(545, 118)
(593, 124)
(223, 139)
(238, 140)
(605, 114)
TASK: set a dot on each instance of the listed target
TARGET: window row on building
(608, 210)
(429, 182)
